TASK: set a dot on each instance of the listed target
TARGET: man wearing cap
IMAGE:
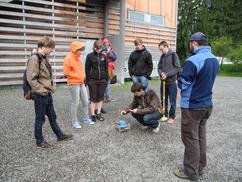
(196, 82)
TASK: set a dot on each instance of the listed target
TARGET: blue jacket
(197, 78)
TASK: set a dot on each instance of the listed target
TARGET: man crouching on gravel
(145, 107)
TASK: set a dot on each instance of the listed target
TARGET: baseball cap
(199, 36)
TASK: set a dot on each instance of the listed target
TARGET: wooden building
(23, 22)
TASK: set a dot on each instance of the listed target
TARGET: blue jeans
(171, 93)
(107, 91)
(150, 119)
(141, 79)
(44, 106)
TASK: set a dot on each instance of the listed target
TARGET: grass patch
(232, 74)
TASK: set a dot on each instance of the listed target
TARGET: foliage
(236, 56)
(218, 19)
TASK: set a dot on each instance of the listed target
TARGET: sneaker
(45, 145)
(93, 118)
(163, 119)
(179, 172)
(76, 124)
(65, 138)
(144, 127)
(170, 120)
(87, 120)
(157, 129)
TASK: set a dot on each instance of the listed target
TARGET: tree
(236, 55)
(215, 18)
(222, 47)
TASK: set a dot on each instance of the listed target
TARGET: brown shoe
(179, 172)
(65, 138)
(44, 145)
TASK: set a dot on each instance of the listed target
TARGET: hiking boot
(170, 120)
(65, 138)
(181, 174)
(44, 144)
(157, 129)
(87, 120)
(76, 124)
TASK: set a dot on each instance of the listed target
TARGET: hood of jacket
(73, 67)
(75, 45)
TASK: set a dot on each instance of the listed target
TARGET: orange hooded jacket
(73, 68)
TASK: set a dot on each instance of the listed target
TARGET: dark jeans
(171, 93)
(193, 133)
(44, 106)
(150, 119)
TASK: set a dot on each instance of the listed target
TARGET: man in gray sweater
(168, 68)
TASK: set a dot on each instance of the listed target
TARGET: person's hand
(123, 112)
(133, 110)
(163, 76)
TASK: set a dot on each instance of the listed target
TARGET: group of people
(99, 69)
(195, 81)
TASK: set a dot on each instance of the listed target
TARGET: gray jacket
(170, 65)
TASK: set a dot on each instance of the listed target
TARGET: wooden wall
(151, 34)
(23, 22)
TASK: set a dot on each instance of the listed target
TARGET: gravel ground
(100, 153)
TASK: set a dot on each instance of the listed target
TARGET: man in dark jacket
(196, 83)
(140, 64)
(168, 68)
(145, 107)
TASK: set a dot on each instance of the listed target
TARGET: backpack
(26, 86)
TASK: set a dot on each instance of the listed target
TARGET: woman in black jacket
(96, 68)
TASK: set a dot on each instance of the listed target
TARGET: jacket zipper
(99, 66)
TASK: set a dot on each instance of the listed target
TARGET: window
(146, 18)
(136, 16)
(158, 20)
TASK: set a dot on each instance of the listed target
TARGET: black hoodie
(140, 63)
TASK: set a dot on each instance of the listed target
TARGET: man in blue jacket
(196, 82)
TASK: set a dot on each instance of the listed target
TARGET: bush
(231, 68)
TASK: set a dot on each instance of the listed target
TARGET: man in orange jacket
(74, 71)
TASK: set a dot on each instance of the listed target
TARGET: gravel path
(100, 153)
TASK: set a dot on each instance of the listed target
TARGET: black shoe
(93, 118)
(99, 117)
(44, 144)
(103, 111)
(181, 174)
(65, 138)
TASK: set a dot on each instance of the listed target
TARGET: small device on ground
(122, 126)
